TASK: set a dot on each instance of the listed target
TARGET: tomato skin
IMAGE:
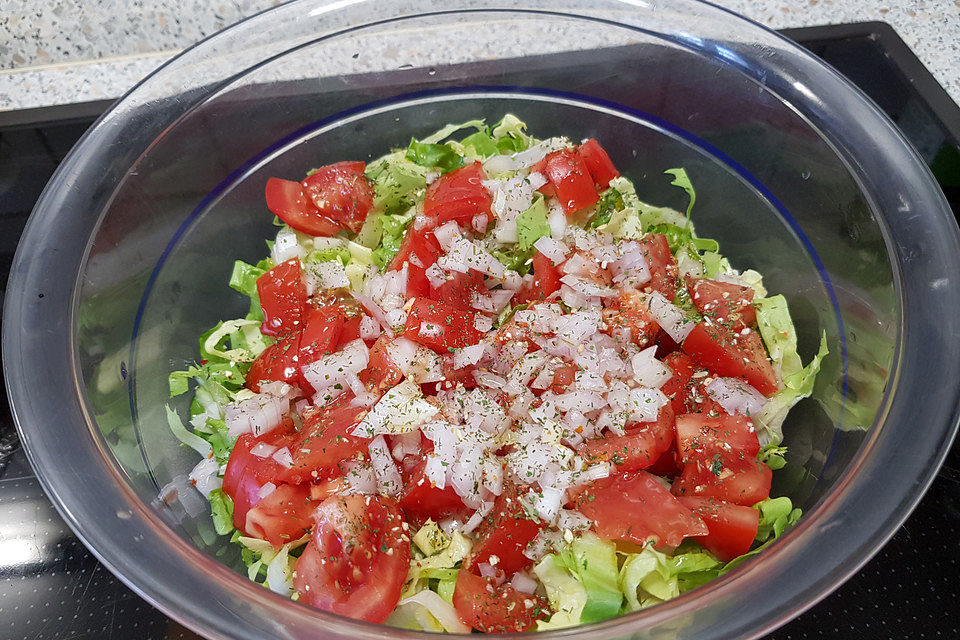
(546, 281)
(418, 245)
(322, 327)
(246, 473)
(732, 355)
(381, 372)
(730, 477)
(282, 516)
(700, 435)
(445, 326)
(598, 163)
(630, 310)
(563, 377)
(357, 559)
(324, 441)
(278, 362)
(421, 499)
(733, 528)
(567, 174)
(505, 533)
(728, 304)
(340, 192)
(664, 272)
(458, 196)
(458, 290)
(634, 506)
(286, 200)
(283, 297)
(683, 367)
(638, 448)
(418, 285)
(483, 606)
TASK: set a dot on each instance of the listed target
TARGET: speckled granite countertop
(67, 51)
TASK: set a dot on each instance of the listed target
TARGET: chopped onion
(474, 521)
(369, 328)
(283, 457)
(670, 318)
(335, 368)
(488, 379)
(402, 352)
(586, 287)
(266, 490)
(548, 501)
(446, 234)
(479, 222)
(204, 476)
(360, 478)
(285, 246)
(557, 219)
(374, 309)
(553, 249)
(437, 276)
(482, 323)
(631, 268)
(468, 355)
(330, 274)
(523, 582)
(257, 415)
(388, 477)
(262, 450)
(648, 371)
(402, 408)
(577, 327)
(736, 396)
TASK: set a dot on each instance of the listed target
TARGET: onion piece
(736, 396)
(553, 249)
(670, 317)
(388, 477)
(648, 371)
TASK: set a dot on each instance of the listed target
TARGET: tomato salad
(482, 385)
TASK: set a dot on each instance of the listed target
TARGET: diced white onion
(266, 490)
(648, 371)
(736, 396)
(283, 457)
(468, 355)
(369, 328)
(285, 246)
(670, 318)
(335, 368)
(204, 476)
(523, 582)
(553, 249)
(401, 409)
(262, 450)
(388, 477)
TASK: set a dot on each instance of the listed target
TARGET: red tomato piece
(282, 515)
(278, 362)
(598, 163)
(664, 273)
(546, 281)
(458, 196)
(567, 174)
(418, 246)
(700, 435)
(505, 533)
(630, 311)
(730, 477)
(638, 448)
(732, 355)
(286, 200)
(324, 441)
(381, 373)
(666, 465)
(677, 387)
(733, 528)
(421, 499)
(283, 297)
(418, 285)
(563, 377)
(350, 331)
(731, 305)
(634, 506)
(246, 473)
(451, 377)
(357, 559)
(440, 327)
(459, 288)
(340, 192)
(320, 336)
(483, 606)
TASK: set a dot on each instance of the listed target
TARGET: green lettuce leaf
(396, 181)
(682, 180)
(594, 562)
(510, 135)
(393, 228)
(188, 438)
(441, 156)
(221, 510)
(480, 144)
(651, 577)
(532, 225)
(451, 129)
(779, 336)
(567, 595)
(796, 386)
(610, 202)
(776, 514)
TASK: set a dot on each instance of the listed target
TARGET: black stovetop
(52, 587)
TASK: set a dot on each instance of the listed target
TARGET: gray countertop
(68, 51)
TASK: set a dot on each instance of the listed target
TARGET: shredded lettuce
(509, 135)
(776, 329)
(682, 180)
(430, 538)
(480, 144)
(188, 438)
(396, 181)
(532, 225)
(773, 456)
(567, 595)
(441, 156)
(221, 510)
(594, 562)
(610, 202)
(651, 577)
(451, 129)
(393, 228)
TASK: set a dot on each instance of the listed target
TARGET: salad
(482, 385)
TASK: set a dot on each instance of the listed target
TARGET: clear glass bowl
(126, 258)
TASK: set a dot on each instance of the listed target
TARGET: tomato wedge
(598, 163)
(324, 441)
(419, 247)
(730, 477)
(357, 558)
(421, 499)
(733, 528)
(634, 506)
(283, 515)
(505, 533)
(381, 372)
(546, 281)
(283, 297)
(341, 193)
(568, 177)
(664, 273)
(458, 196)
(459, 289)
(321, 334)
(700, 435)
(440, 326)
(732, 355)
(730, 305)
(486, 607)
(630, 311)
(287, 201)
(278, 362)
(246, 473)
(638, 448)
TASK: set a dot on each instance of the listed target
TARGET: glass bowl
(126, 257)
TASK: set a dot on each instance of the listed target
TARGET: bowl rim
(21, 309)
